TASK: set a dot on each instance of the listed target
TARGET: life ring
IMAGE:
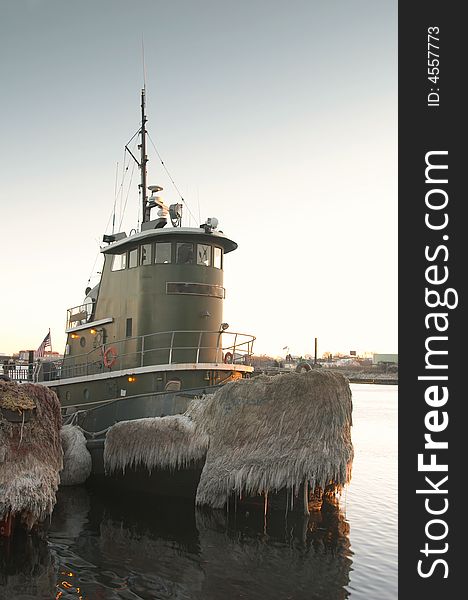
(303, 366)
(228, 358)
(109, 356)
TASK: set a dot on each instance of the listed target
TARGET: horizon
(320, 356)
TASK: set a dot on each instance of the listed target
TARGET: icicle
(306, 498)
(265, 510)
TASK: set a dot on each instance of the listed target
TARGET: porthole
(86, 394)
(82, 342)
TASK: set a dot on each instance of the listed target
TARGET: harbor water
(101, 547)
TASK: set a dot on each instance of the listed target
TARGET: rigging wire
(125, 168)
(128, 192)
(115, 196)
(120, 192)
(92, 269)
(172, 181)
(133, 136)
(117, 192)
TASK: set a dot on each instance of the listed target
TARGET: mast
(143, 160)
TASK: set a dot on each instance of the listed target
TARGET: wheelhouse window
(133, 258)
(162, 253)
(197, 289)
(185, 254)
(119, 262)
(217, 258)
(203, 255)
(145, 254)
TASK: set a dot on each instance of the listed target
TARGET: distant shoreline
(354, 376)
(374, 380)
(368, 376)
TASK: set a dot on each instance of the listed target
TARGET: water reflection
(296, 557)
(27, 568)
(129, 547)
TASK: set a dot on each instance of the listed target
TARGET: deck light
(175, 213)
(131, 379)
(74, 336)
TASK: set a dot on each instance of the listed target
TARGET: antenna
(143, 61)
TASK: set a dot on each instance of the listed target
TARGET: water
(130, 548)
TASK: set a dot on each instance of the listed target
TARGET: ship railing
(78, 315)
(162, 348)
(18, 373)
(37, 371)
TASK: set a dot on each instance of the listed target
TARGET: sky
(277, 117)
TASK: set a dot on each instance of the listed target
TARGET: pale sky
(277, 117)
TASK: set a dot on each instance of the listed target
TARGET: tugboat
(159, 385)
(150, 336)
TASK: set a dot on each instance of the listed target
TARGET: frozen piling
(258, 436)
(31, 455)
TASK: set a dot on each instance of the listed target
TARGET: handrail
(154, 350)
(172, 344)
(78, 314)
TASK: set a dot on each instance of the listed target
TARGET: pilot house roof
(148, 235)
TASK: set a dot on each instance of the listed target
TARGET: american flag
(46, 343)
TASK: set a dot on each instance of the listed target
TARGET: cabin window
(119, 262)
(163, 252)
(197, 289)
(217, 258)
(145, 254)
(133, 258)
(203, 255)
(185, 254)
(128, 328)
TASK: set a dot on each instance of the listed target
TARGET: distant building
(385, 358)
(23, 355)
